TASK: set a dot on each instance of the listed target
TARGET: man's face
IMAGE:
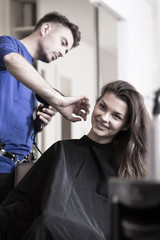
(56, 41)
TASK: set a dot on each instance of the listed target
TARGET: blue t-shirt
(17, 103)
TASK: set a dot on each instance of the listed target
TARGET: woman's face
(108, 118)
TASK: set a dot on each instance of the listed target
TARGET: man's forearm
(25, 73)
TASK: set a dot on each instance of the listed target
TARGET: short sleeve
(7, 45)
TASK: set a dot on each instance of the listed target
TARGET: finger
(84, 98)
(50, 111)
(81, 111)
(52, 108)
(74, 119)
(44, 120)
(47, 114)
(44, 116)
(74, 100)
(86, 109)
(85, 106)
(83, 115)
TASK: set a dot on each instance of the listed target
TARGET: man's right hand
(71, 106)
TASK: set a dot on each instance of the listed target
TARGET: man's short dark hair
(56, 17)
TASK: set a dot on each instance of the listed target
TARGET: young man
(53, 36)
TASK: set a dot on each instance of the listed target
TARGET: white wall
(135, 54)
(138, 34)
(4, 17)
(81, 12)
(78, 66)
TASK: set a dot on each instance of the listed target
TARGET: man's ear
(45, 28)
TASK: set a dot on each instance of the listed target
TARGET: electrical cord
(38, 124)
(34, 142)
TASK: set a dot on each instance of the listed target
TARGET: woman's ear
(45, 28)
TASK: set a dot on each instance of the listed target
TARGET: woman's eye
(102, 106)
(117, 117)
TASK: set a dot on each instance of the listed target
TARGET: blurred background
(120, 40)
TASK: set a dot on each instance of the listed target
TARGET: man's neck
(30, 42)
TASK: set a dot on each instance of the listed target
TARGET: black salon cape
(64, 196)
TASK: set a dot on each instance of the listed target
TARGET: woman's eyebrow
(103, 102)
(120, 114)
(114, 111)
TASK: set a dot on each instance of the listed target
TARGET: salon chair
(135, 209)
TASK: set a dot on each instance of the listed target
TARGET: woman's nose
(106, 117)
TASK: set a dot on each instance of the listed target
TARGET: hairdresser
(54, 35)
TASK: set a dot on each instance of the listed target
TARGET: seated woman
(64, 195)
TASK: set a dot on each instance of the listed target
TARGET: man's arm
(25, 73)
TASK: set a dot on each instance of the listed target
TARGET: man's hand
(45, 114)
(75, 105)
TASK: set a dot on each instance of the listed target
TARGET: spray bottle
(154, 141)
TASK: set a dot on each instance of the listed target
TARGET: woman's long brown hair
(130, 146)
